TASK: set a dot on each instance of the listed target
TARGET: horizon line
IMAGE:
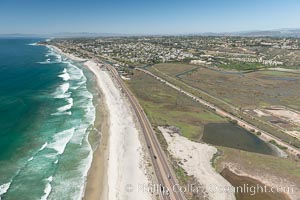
(206, 33)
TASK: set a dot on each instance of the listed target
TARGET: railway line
(165, 176)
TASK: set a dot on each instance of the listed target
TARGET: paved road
(164, 173)
(240, 122)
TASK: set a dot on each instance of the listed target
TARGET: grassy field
(165, 106)
(174, 68)
(240, 90)
(276, 73)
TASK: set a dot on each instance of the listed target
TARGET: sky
(146, 16)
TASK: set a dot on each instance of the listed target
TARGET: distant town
(240, 53)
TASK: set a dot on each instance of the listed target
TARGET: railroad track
(165, 176)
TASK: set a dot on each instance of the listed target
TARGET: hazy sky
(146, 16)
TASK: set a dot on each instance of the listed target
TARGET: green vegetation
(165, 106)
(258, 133)
(183, 178)
(278, 145)
(253, 90)
(233, 121)
(241, 66)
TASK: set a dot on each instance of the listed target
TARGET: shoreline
(120, 141)
(126, 163)
(95, 186)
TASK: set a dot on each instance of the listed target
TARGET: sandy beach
(96, 181)
(70, 56)
(119, 160)
(96, 187)
(126, 164)
(196, 161)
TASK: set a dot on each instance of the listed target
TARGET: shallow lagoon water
(233, 136)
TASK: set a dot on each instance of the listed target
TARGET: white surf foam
(48, 188)
(77, 85)
(44, 62)
(65, 75)
(65, 87)
(62, 113)
(61, 139)
(43, 147)
(87, 163)
(88, 119)
(66, 107)
(50, 52)
(32, 44)
(75, 72)
(58, 58)
(4, 188)
(62, 91)
(79, 133)
(51, 156)
(30, 159)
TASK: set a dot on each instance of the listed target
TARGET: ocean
(46, 115)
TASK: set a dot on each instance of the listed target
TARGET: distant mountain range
(259, 33)
(256, 33)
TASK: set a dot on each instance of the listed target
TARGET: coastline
(70, 56)
(119, 160)
(126, 163)
(96, 179)
(96, 187)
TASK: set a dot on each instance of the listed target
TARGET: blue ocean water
(46, 114)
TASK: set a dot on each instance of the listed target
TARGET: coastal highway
(166, 178)
(264, 135)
